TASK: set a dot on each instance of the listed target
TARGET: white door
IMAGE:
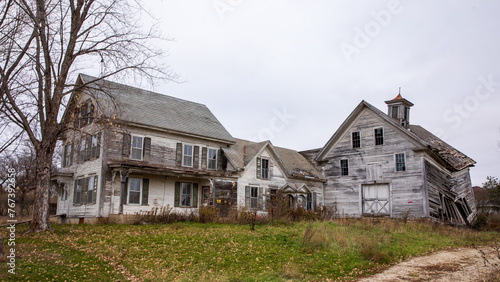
(376, 199)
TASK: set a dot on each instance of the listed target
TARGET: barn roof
(449, 156)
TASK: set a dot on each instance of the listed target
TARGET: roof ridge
(150, 92)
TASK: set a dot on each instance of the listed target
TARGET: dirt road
(449, 265)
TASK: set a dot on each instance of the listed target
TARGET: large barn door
(376, 199)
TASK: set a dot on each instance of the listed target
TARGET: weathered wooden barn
(379, 164)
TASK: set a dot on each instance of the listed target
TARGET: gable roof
(449, 156)
(146, 108)
(295, 165)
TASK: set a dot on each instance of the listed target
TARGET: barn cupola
(399, 110)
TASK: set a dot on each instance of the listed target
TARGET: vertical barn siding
(344, 191)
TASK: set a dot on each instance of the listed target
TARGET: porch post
(123, 188)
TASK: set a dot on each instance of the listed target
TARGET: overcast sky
(292, 71)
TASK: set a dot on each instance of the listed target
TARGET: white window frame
(375, 136)
(79, 184)
(341, 168)
(92, 188)
(93, 149)
(68, 157)
(184, 155)
(182, 194)
(214, 161)
(82, 154)
(352, 139)
(136, 148)
(129, 190)
(396, 162)
(268, 169)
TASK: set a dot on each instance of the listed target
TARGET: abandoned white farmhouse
(131, 150)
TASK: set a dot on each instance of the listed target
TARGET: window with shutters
(85, 190)
(254, 197)
(379, 136)
(186, 195)
(134, 191)
(344, 167)
(89, 148)
(187, 155)
(212, 159)
(400, 162)
(356, 139)
(137, 146)
(265, 169)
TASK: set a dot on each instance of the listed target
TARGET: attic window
(265, 169)
(379, 136)
(84, 114)
(356, 140)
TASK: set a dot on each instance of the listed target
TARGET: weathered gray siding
(406, 193)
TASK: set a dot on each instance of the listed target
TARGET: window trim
(346, 168)
(82, 153)
(140, 190)
(93, 149)
(256, 198)
(359, 139)
(262, 169)
(396, 162)
(184, 155)
(132, 147)
(375, 136)
(68, 154)
(397, 112)
(216, 158)
(190, 195)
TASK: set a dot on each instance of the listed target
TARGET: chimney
(399, 110)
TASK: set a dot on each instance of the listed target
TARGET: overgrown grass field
(329, 250)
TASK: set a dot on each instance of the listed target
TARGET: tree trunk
(42, 193)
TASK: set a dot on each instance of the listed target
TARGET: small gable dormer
(399, 110)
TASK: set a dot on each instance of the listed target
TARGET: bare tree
(43, 45)
(24, 164)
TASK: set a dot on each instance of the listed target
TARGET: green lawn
(214, 251)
